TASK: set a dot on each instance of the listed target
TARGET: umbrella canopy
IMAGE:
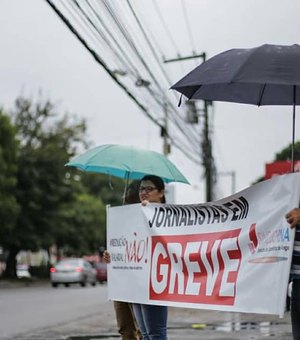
(264, 75)
(127, 162)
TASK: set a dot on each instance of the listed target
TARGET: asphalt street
(183, 324)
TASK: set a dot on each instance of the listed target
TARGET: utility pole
(207, 150)
(164, 130)
(206, 145)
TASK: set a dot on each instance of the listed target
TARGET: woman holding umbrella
(151, 319)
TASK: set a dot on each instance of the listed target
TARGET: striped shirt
(295, 270)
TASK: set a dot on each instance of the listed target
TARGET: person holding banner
(293, 218)
(127, 326)
(151, 319)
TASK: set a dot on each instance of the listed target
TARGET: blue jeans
(295, 309)
(152, 321)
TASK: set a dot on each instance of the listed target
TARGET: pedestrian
(127, 326)
(293, 218)
(151, 319)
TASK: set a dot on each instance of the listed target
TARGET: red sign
(280, 168)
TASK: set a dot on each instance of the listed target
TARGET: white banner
(232, 255)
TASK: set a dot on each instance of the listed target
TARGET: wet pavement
(202, 324)
(184, 324)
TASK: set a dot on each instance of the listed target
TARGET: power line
(187, 22)
(118, 52)
(177, 121)
(107, 69)
(165, 26)
(89, 25)
(99, 60)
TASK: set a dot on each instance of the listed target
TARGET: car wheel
(67, 285)
(54, 284)
(93, 283)
(83, 284)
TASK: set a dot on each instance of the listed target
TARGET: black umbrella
(264, 75)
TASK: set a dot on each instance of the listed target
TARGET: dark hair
(158, 182)
(132, 193)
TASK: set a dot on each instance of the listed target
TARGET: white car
(73, 270)
(23, 271)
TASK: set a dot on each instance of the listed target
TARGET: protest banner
(233, 254)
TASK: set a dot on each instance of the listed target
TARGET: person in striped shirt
(293, 218)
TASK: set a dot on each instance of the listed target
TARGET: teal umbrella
(127, 162)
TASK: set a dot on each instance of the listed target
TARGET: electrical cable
(107, 69)
(116, 51)
(126, 34)
(151, 47)
(165, 27)
(188, 26)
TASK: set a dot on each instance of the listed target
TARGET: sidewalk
(21, 283)
(184, 324)
(201, 324)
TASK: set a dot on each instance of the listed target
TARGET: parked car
(73, 270)
(23, 271)
(101, 268)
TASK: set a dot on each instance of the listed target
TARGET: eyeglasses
(147, 189)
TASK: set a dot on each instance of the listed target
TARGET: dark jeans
(295, 309)
(151, 320)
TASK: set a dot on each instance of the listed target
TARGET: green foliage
(42, 202)
(39, 271)
(285, 154)
(108, 189)
(9, 208)
(45, 146)
(81, 228)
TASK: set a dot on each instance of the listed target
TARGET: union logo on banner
(279, 168)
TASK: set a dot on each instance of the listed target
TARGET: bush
(39, 271)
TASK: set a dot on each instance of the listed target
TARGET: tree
(9, 208)
(285, 154)
(108, 189)
(46, 144)
(50, 203)
(82, 225)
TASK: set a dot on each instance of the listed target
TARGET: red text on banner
(199, 268)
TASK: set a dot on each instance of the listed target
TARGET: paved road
(25, 309)
(39, 312)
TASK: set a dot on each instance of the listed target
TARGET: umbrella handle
(293, 133)
(126, 186)
(180, 100)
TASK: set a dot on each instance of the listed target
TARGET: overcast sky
(38, 53)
